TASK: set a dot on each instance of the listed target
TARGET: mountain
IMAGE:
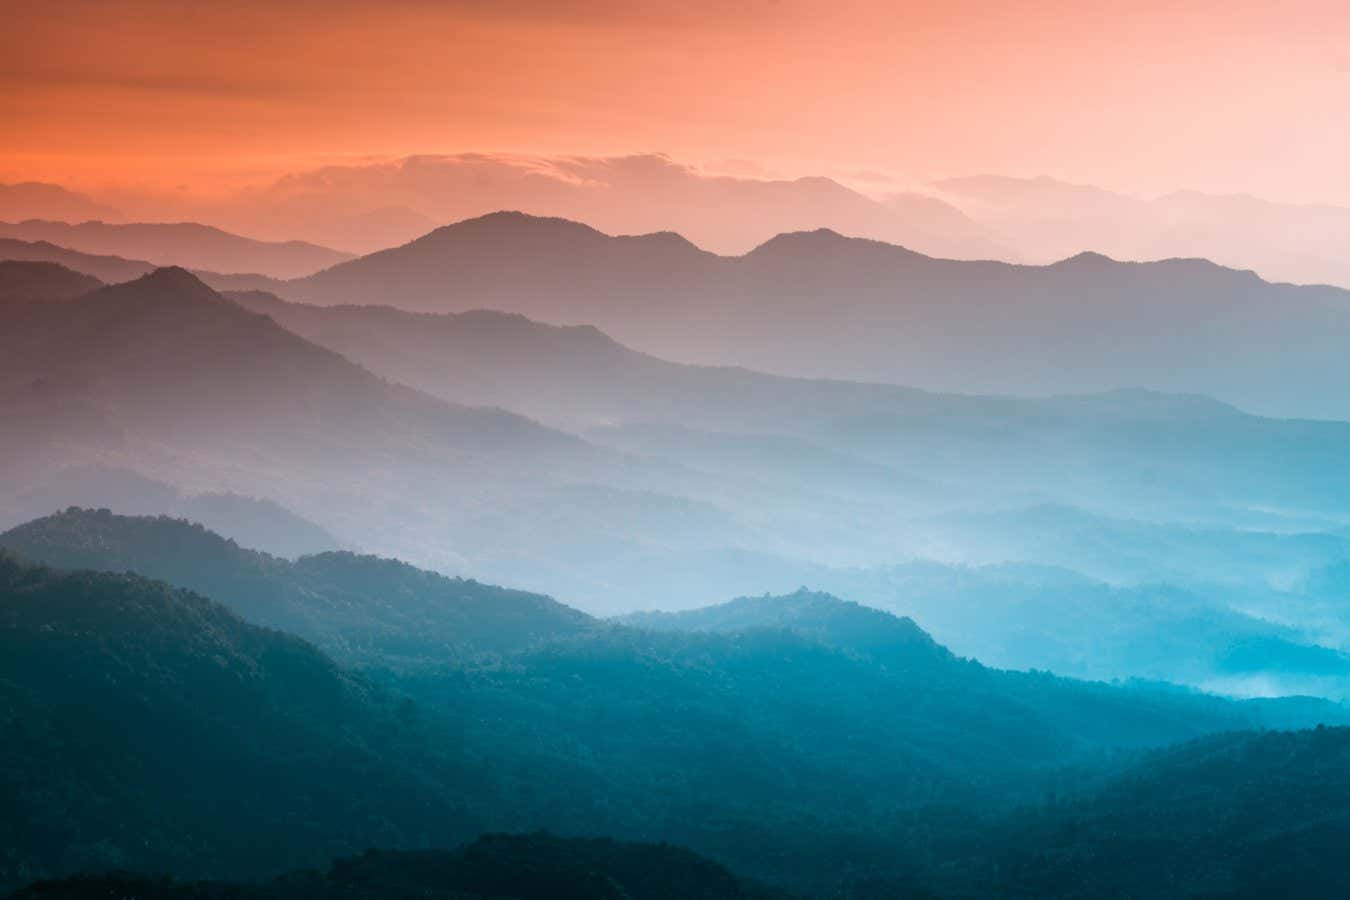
(104, 268)
(537, 256)
(164, 376)
(24, 282)
(1244, 815)
(804, 723)
(756, 744)
(1046, 219)
(822, 305)
(150, 728)
(524, 867)
(254, 522)
(368, 207)
(112, 269)
(185, 244)
(1231, 640)
(820, 617)
(697, 483)
(37, 200)
(358, 609)
(1132, 453)
(1181, 509)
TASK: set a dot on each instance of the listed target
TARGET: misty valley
(364, 599)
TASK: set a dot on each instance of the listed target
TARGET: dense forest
(527, 867)
(818, 746)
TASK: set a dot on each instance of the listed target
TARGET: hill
(820, 617)
(359, 609)
(185, 244)
(150, 728)
(29, 282)
(253, 522)
(1244, 815)
(105, 268)
(525, 867)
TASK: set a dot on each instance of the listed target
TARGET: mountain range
(822, 305)
(1087, 323)
(660, 485)
(365, 207)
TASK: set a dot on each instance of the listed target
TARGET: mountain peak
(509, 225)
(1087, 259)
(167, 285)
(172, 276)
(798, 244)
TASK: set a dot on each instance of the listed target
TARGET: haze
(1148, 97)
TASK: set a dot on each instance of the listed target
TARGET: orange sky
(1140, 96)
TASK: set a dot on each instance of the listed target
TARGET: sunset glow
(1143, 97)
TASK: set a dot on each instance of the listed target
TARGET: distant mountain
(167, 379)
(253, 522)
(367, 207)
(697, 483)
(167, 349)
(1046, 219)
(185, 244)
(104, 268)
(510, 255)
(359, 609)
(821, 617)
(1231, 639)
(27, 282)
(37, 200)
(114, 269)
(859, 440)
(820, 304)
(524, 867)
(1133, 487)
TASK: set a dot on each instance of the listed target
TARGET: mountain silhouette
(820, 304)
(165, 377)
(104, 268)
(185, 244)
(28, 282)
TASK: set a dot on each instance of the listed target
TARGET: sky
(1147, 97)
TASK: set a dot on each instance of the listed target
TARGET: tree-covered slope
(361, 609)
(147, 727)
(523, 867)
(1244, 815)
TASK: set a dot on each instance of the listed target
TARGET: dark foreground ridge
(525, 867)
